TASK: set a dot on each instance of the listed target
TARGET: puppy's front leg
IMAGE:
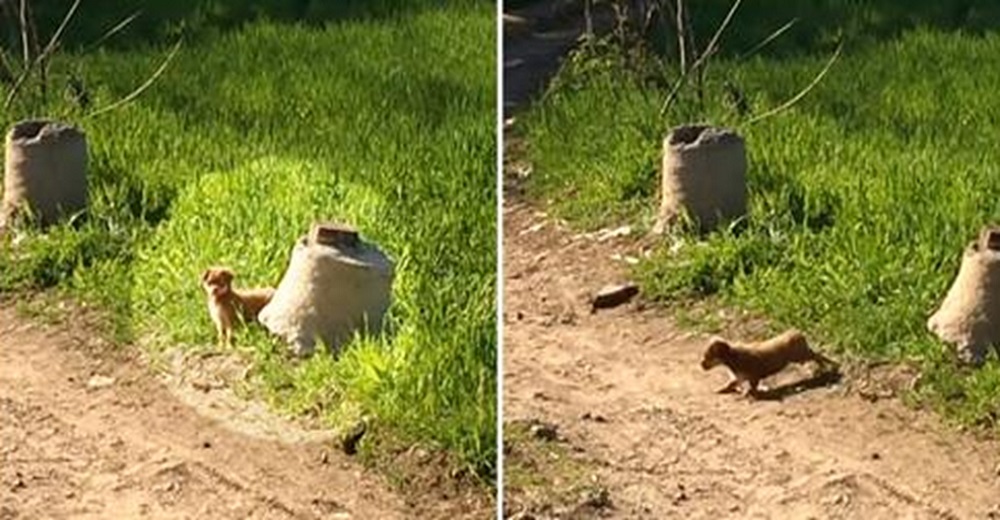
(225, 332)
(732, 386)
(751, 391)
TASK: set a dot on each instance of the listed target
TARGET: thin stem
(23, 21)
(138, 91)
(42, 56)
(795, 99)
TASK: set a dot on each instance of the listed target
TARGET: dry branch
(795, 99)
(30, 64)
(138, 91)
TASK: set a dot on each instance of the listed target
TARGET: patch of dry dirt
(87, 431)
(634, 408)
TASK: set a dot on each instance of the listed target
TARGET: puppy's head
(717, 350)
(217, 281)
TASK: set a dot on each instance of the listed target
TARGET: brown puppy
(756, 361)
(227, 305)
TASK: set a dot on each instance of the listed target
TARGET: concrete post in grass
(336, 285)
(703, 176)
(45, 171)
(969, 316)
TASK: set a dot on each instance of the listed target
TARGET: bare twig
(763, 43)
(681, 36)
(795, 99)
(692, 41)
(120, 26)
(32, 29)
(672, 96)
(651, 14)
(42, 56)
(22, 19)
(56, 36)
(702, 59)
(138, 91)
(714, 42)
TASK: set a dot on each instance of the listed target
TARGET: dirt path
(72, 446)
(666, 446)
(536, 37)
(636, 417)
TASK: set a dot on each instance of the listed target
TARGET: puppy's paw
(731, 387)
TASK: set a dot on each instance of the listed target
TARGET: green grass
(254, 132)
(862, 196)
(541, 476)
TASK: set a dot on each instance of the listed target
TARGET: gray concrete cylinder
(969, 315)
(45, 170)
(703, 175)
(335, 285)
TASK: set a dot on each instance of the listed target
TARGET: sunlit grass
(253, 133)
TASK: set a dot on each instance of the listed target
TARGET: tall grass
(862, 196)
(253, 133)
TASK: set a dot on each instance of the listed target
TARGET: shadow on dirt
(781, 392)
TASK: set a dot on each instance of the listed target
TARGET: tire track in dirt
(668, 446)
(132, 449)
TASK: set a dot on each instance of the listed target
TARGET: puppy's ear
(204, 275)
(716, 343)
(227, 275)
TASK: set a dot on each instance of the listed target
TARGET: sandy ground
(632, 408)
(626, 392)
(87, 431)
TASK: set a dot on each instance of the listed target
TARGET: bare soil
(638, 420)
(90, 431)
(609, 415)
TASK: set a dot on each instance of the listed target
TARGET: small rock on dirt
(680, 496)
(614, 295)
(544, 431)
(327, 506)
(598, 418)
(568, 318)
(597, 498)
(98, 381)
(349, 442)
(607, 234)
(202, 385)
(18, 482)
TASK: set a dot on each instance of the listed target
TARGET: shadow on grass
(164, 19)
(821, 23)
